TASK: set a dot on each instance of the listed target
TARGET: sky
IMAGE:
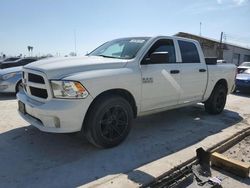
(51, 26)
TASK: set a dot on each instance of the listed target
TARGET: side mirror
(159, 57)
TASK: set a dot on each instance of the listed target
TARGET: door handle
(174, 72)
(202, 70)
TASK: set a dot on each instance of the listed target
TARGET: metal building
(232, 53)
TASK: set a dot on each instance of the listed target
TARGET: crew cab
(99, 94)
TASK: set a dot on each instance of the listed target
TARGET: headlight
(68, 89)
(9, 75)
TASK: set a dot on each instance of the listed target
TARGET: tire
(108, 122)
(216, 102)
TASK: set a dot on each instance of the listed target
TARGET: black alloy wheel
(108, 122)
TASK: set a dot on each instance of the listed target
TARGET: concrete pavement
(158, 142)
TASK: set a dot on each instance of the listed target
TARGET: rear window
(189, 52)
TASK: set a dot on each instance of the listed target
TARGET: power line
(240, 40)
(240, 37)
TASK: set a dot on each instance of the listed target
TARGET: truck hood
(58, 68)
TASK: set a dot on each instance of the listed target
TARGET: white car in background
(11, 74)
(9, 59)
(10, 80)
(243, 67)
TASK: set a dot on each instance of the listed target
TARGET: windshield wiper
(108, 56)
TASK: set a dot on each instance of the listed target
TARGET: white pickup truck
(100, 93)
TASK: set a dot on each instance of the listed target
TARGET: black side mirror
(159, 57)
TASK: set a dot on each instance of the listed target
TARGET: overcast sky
(49, 25)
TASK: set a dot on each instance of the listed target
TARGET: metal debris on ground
(196, 175)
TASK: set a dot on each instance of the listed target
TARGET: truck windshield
(120, 48)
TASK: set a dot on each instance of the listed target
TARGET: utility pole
(221, 37)
(200, 28)
(221, 46)
(75, 40)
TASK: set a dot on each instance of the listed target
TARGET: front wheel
(216, 102)
(108, 122)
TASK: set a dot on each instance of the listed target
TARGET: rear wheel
(216, 102)
(108, 122)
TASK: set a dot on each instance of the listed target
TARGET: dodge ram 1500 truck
(99, 94)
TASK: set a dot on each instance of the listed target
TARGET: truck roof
(158, 36)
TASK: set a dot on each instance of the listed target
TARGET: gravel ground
(240, 151)
(31, 158)
(230, 180)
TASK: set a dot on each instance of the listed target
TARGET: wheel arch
(119, 92)
(221, 82)
(211, 104)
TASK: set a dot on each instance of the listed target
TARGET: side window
(189, 52)
(162, 45)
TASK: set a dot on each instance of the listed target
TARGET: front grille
(36, 85)
(41, 93)
(35, 78)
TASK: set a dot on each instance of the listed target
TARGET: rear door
(160, 81)
(193, 72)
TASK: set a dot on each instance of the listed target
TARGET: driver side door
(160, 81)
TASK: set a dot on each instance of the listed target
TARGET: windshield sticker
(137, 41)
